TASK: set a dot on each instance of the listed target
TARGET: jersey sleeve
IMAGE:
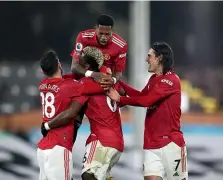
(129, 90)
(78, 47)
(74, 88)
(91, 87)
(75, 92)
(81, 99)
(120, 61)
(144, 90)
(162, 89)
(68, 76)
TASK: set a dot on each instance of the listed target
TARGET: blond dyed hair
(94, 53)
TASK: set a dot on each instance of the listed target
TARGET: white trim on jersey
(118, 42)
(88, 34)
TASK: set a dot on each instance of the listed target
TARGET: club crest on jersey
(79, 47)
(107, 57)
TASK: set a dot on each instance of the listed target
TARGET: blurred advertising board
(205, 158)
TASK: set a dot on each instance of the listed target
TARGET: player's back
(56, 95)
(105, 120)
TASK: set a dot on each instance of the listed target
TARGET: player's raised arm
(120, 63)
(79, 51)
(76, 53)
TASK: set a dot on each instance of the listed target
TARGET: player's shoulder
(50, 81)
(71, 82)
(170, 78)
(118, 41)
(172, 75)
(86, 80)
(87, 34)
(43, 81)
(68, 85)
(152, 77)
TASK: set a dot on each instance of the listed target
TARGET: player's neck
(56, 76)
(159, 71)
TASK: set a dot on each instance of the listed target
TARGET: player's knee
(87, 176)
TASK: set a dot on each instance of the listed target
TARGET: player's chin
(150, 69)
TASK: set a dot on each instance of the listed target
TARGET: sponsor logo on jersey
(167, 81)
(122, 55)
(107, 57)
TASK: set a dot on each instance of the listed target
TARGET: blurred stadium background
(193, 29)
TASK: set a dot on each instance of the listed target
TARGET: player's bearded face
(104, 33)
(152, 60)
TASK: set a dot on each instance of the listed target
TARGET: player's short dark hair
(164, 50)
(105, 20)
(49, 62)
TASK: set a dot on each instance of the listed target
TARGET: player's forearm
(141, 101)
(121, 92)
(129, 90)
(77, 69)
(148, 100)
(63, 119)
(117, 75)
(92, 88)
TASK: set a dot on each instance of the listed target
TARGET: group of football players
(95, 89)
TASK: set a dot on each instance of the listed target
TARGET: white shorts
(55, 164)
(170, 160)
(98, 160)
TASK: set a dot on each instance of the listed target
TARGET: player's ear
(59, 65)
(160, 58)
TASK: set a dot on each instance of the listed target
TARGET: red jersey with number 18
(56, 95)
(104, 118)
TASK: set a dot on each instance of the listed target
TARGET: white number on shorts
(111, 104)
(48, 104)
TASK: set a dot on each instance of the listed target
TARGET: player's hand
(114, 95)
(98, 76)
(43, 130)
(106, 83)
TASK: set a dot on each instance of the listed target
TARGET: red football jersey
(114, 52)
(56, 95)
(162, 97)
(105, 119)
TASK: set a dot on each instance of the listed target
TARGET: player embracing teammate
(164, 146)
